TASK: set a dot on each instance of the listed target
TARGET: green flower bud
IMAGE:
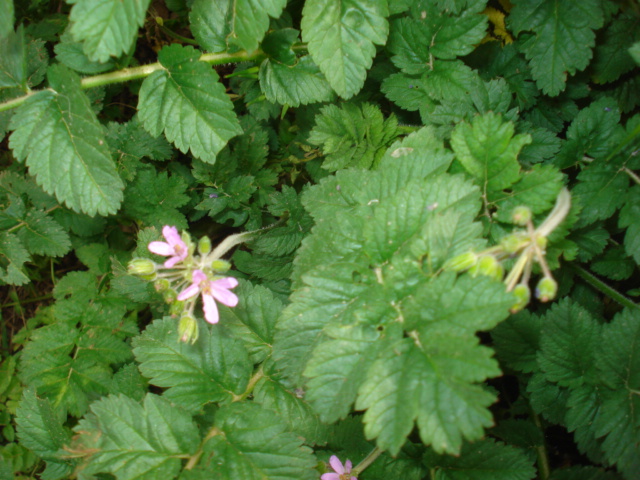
(541, 242)
(204, 245)
(461, 262)
(169, 295)
(546, 289)
(176, 308)
(220, 266)
(488, 266)
(523, 295)
(188, 329)
(514, 242)
(162, 284)
(141, 266)
(521, 215)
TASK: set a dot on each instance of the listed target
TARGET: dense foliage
(414, 227)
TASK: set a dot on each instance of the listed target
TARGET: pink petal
(198, 276)
(227, 282)
(161, 248)
(191, 291)
(210, 309)
(347, 466)
(330, 476)
(224, 296)
(172, 261)
(336, 464)
(171, 234)
(353, 478)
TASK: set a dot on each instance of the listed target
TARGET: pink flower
(211, 291)
(174, 246)
(341, 472)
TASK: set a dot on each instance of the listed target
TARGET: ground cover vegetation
(320, 239)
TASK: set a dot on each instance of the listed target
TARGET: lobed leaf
(341, 38)
(186, 101)
(107, 27)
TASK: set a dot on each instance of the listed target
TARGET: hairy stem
(598, 284)
(368, 460)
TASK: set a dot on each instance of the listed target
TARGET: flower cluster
(528, 246)
(185, 275)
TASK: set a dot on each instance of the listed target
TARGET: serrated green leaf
(591, 241)
(600, 191)
(544, 145)
(294, 85)
(415, 41)
(408, 382)
(133, 441)
(188, 103)
(614, 264)
(629, 218)
(562, 40)
(253, 320)
(129, 382)
(43, 235)
(241, 23)
(63, 143)
(40, 426)
(406, 91)
(6, 21)
(154, 198)
(252, 443)
(13, 255)
(547, 399)
(611, 58)
(214, 369)
(107, 27)
(483, 460)
(341, 38)
(488, 150)
(352, 135)
(536, 189)
(13, 61)
(72, 55)
(292, 408)
(567, 343)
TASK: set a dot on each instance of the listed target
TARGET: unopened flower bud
(521, 215)
(162, 284)
(141, 266)
(514, 242)
(188, 329)
(204, 245)
(176, 308)
(523, 295)
(170, 295)
(546, 289)
(488, 266)
(220, 266)
(461, 262)
(541, 242)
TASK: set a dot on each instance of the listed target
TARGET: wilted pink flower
(174, 246)
(211, 290)
(342, 472)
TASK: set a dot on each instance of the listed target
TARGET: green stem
(143, 71)
(30, 300)
(250, 386)
(541, 451)
(598, 284)
(368, 460)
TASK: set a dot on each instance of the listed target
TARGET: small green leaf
(611, 56)
(188, 103)
(43, 235)
(562, 40)
(13, 59)
(107, 27)
(294, 85)
(241, 23)
(341, 38)
(133, 441)
(214, 369)
(13, 255)
(64, 145)
(601, 191)
(517, 341)
(352, 135)
(488, 149)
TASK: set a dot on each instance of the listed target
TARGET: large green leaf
(186, 101)
(13, 61)
(214, 369)
(251, 443)
(107, 27)
(243, 23)
(134, 441)
(6, 19)
(64, 146)
(562, 40)
(341, 37)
